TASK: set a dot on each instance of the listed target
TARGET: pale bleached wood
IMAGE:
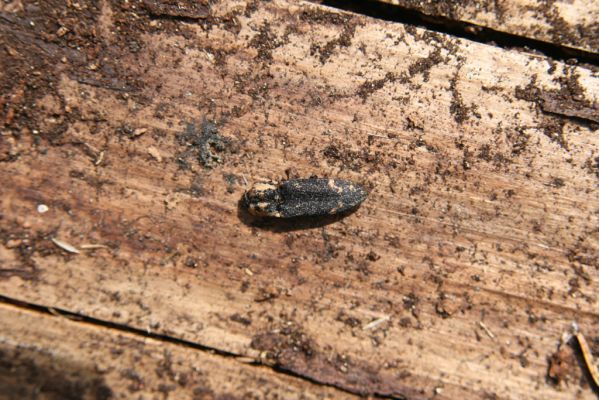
(571, 23)
(478, 241)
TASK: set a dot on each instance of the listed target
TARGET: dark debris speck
(204, 142)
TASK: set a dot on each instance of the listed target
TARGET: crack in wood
(173, 340)
(462, 29)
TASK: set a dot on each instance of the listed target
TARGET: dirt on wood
(562, 23)
(139, 125)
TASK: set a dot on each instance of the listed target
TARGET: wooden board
(52, 357)
(475, 250)
(563, 22)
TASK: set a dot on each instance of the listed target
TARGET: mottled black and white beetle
(303, 197)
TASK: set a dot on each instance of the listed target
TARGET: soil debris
(204, 142)
(181, 9)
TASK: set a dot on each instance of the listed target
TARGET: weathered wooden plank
(56, 358)
(563, 22)
(475, 250)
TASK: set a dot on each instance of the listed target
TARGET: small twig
(588, 357)
(65, 246)
(486, 329)
(93, 246)
(60, 314)
(99, 159)
(375, 323)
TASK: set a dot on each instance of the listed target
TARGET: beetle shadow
(281, 225)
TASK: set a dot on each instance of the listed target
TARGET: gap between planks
(463, 29)
(82, 319)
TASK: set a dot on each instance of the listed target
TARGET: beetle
(309, 197)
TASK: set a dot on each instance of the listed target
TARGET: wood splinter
(588, 356)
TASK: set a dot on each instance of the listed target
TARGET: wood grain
(475, 250)
(563, 22)
(53, 357)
